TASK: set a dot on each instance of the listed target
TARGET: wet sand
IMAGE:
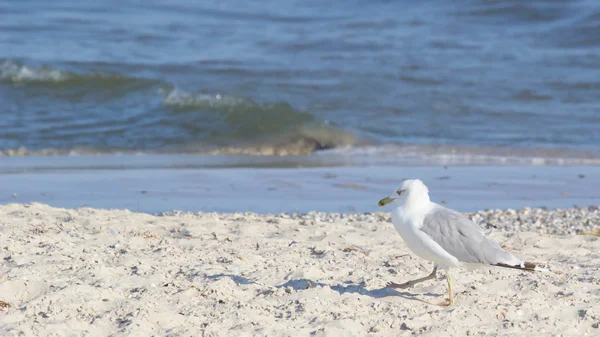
(154, 184)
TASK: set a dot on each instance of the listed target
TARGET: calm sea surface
(294, 77)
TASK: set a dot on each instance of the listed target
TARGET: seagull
(443, 236)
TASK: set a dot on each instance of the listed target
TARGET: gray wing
(463, 239)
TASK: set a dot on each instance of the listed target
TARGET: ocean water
(499, 78)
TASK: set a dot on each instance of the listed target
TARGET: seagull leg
(450, 294)
(449, 279)
(413, 282)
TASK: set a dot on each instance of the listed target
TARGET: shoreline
(100, 272)
(366, 153)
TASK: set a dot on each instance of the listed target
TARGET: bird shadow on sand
(236, 278)
(348, 288)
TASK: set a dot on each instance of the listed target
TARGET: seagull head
(412, 189)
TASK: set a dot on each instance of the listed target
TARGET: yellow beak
(385, 201)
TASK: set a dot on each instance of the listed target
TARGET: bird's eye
(399, 192)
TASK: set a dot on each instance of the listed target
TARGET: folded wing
(464, 239)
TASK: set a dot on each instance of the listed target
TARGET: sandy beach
(93, 272)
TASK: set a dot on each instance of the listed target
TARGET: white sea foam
(182, 98)
(14, 72)
(464, 155)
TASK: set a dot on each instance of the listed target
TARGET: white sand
(89, 272)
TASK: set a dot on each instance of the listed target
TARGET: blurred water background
(493, 79)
